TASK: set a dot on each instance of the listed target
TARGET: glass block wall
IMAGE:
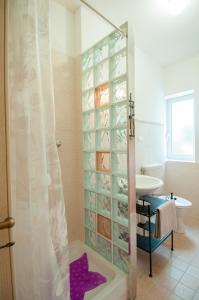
(104, 103)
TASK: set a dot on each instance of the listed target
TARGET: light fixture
(176, 7)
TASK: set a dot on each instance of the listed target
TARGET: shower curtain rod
(103, 17)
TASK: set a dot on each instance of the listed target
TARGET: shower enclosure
(109, 196)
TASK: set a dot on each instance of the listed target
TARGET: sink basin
(147, 184)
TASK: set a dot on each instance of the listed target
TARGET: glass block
(103, 161)
(121, 236)
(87, 80)
(90, 219)
(101, 51)
(102, 95)
(90, 180)
(89, 141)
(119, 139)
(90, 200)
(119, 163)
(102, 73)
(104, 205)
(104, 226)
(89, 161)
(89, 121)
(119, 115)
(118, 65)
(90, 238)
(88, 100)
(120, 258)
(87, 60)
(119, 91)
(104, 247)
(103, 118)
(120, 211)
(117, 42)
(103, 140)
(104, 184)
(120, 187)
(104, 92)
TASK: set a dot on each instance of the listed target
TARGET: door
(6, 292)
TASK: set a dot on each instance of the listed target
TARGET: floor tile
(190, 281)
(180, 264)
(195, 262)
(166, 282)
(196, 297)
(174, 297)
(184, 292)
(175, 273)
(193, 271)
(186, 256)
(156, 293)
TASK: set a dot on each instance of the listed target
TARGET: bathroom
(162, 67)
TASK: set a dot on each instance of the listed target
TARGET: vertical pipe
(172, 241)
(144, 217)
(150, 253)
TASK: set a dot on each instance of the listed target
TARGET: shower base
(116, 285)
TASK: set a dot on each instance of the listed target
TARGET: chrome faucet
(142, 170)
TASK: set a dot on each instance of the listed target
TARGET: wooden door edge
(7, 126)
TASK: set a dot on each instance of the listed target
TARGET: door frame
(6, 282)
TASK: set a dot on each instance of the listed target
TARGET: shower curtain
(41, 251)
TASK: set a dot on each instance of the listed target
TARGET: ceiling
(166, 37)
(169, 38)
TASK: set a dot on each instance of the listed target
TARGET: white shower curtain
(41, 252)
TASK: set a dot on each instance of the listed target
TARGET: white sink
(147, 184)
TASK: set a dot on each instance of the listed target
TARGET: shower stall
(43, 250)
(108, 149)
(104, 87)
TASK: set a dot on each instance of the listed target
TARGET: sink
(147, 184)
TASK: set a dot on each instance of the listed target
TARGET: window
(180, 126)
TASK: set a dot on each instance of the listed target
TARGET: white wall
(149, 88)
(182, 177)
(62, 28)
(149, 108)
(94, 28)
(68, 114)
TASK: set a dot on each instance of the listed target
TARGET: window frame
(169, 102)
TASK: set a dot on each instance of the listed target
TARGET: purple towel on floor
(81, 279)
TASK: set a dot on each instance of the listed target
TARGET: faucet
(142, 170)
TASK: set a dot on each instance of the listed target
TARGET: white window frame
(169, 101)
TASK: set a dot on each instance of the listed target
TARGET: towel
(166, 219)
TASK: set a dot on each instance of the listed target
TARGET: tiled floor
(175, 274)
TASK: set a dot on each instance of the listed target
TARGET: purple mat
(81, 279)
